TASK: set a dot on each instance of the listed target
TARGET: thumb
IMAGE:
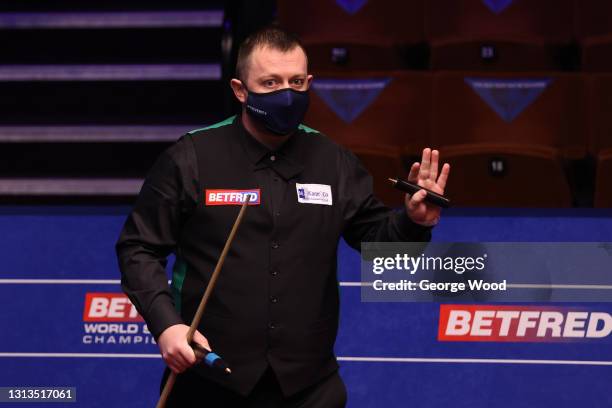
(416, 199)
(201, 340)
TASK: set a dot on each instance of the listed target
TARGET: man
(273, 315)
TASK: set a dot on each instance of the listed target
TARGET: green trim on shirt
(224, 122)
(179, 271)
(307, 129)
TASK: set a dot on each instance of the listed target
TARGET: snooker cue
(198, 315)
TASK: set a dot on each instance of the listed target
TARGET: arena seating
(600, 135)
(383, 163)
(99, 89)
(597, 54)
(501, 54)
(508, 132)
(501, 35)
(382, 116)
(373, 108)
(345, 35)
(506, 175)
(537, 109)
(593, 18)
(549, 20)
(594, 31)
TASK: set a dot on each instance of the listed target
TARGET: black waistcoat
(276, 301)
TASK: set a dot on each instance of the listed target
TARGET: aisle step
(69, 186)
(111, 20)
(115, 72)
(93, 133)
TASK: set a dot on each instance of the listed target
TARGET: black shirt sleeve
(150, 234)
(367, 218)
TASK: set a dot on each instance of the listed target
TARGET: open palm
(425, 174)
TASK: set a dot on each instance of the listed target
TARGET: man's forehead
(271, 61)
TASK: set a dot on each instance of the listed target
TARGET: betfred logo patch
(493, 323)
(109, 307)
(232, 197)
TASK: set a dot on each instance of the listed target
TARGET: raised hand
(425, 174)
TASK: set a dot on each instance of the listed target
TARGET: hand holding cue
(161, 403)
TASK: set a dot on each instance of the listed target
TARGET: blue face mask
(281, 112)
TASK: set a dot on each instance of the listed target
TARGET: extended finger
(414, 172)
(425, 164)
(433, 170)
(443, 176)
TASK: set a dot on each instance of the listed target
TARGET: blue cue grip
(210, 359)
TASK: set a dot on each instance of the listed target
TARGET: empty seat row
(408, 110)
(510, 126)
(456, 34)
(462, 54)
(408, 21)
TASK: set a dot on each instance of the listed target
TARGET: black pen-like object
(211, 359)
(412, 188)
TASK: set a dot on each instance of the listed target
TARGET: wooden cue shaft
(198, 315)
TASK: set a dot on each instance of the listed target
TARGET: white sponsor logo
(314, 193)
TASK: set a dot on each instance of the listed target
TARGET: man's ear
(309, 81)
(239, 91)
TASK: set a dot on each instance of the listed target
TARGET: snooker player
(273, 315)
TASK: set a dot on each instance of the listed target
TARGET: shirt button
(275, 245)
(277, 213)
(271, 326)
(274, 272)
(273, 299)
(276, 179)
(272, 158)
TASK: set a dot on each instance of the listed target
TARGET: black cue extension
(411, 188)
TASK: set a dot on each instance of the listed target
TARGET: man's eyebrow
(276, 75)
(268, 75)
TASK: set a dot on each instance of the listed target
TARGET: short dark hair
(271, 36)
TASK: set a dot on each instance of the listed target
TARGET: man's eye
(298, 81)
(270, 82)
